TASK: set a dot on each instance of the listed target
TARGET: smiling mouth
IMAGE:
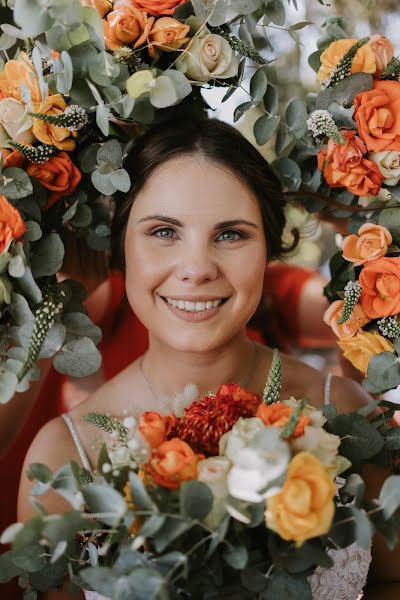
(194, 307)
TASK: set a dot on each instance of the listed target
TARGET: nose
(196, 266)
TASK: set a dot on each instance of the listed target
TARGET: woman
(204, 214)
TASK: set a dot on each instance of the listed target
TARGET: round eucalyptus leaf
(53, 341)
(102, 182)
(121, 180)
(296, 117)
(47, 256)
(288, 172)
(33, 231)
(105, 500)
(78, 358)
(15, 183)
(16, 266)
(264, 128)
(8, 386)
(275, 11)
(258, 85)
(79, 325)
(110, 153)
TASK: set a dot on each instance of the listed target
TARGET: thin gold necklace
(245, 383)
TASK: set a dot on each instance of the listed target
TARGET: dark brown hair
(217, 142)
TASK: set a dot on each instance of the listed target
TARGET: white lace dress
(345, 580)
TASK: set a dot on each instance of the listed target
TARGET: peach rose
(370, 243)
(158, 7)
(377, 114)
(16, 72)
(155, 428)
(167, 34)
(304, 508)
(58, 174)
(383, 52)
(102, 6)
(348, 155)
(364, 60)
(16, 121)
(356, 322)
(360, 349)
(126, 25)
(12, 226)
(380, 282)
(173, 462)
(60, 137)
(278, 414)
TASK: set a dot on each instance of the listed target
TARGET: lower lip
(193, 317)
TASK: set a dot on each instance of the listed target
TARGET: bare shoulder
(54, 447)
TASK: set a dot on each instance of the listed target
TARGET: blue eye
(165, 233)
(230, 235)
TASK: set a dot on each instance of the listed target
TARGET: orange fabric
(124, 339)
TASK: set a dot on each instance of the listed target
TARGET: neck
(169, 370)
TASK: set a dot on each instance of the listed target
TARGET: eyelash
(241, 235)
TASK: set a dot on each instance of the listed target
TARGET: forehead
(194, 186)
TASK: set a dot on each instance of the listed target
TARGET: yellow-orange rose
(167, 34)
(60, 137)
(278, 414)
(17, 72)
(12, 226)
(370, 243)
(155, 428)
(344, 165)
(102, 6)
(377, 114)
(158, 7)
(355, 323)
(364, 60)
(58, 174)
(172, 463)
(304, 508)
(383, 52)
(380, 282)
(126, 25)
(361, 348)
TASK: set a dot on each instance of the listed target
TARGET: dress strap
(327, 388)
(77, 441)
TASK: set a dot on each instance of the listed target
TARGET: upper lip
(188, 298)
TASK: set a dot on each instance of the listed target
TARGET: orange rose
(16, 72)
(12, 226)
(364, 60)
(278, 414)
(377, 114)
(126, 25)
(360, 349)
(102, 6)
(370, 243)
(173, 462)
(168, 35)
(60, 137)
(58, 174)
(304, 508)
(354, 324)
(155, 428)
(383, 52)
(158, 7)
(12, 158)
(380, 282)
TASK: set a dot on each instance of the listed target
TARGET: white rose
(16, 121)
(208, 56)
(240, 436)
(320, 443)
(388, 162)
(213, 472)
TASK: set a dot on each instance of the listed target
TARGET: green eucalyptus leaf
(288, 172)
(8, 386)
(246, 7)
(264, 128)
(388, 217)
(271, 100)
(196, 499)
(15, 183)
(64, 527)
(31, 559)
(139, 494)
(20, 310)
(65, 482)
(121, 180)
(32, 16)
(79, 325)
(353, 489)
(284, 139)
(31, 533)
(78, 358)
(39, 472)
(241, 109)
(275, 11)
(236, 557)
(285, 585)
(296, 117)
(94, 24)
(47, 256)
(384, 371)
(105, 500)
(83, 216)
(258, 84)
(53, 341)
(16, 267)
(110, 153)
(102, 182)
(102, 118)
(33, 231)
(170, 531)
(389, 496)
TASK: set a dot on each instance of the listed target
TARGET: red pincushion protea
(206, 420)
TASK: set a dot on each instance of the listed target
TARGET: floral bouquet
(365, 308)
(231, 495)
(341, 148)
(78, 80)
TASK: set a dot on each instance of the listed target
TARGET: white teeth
(194, 306)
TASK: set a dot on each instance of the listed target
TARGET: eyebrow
(218, 226)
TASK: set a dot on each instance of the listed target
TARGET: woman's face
(195, 255)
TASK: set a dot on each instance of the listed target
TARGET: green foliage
(273, 384)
